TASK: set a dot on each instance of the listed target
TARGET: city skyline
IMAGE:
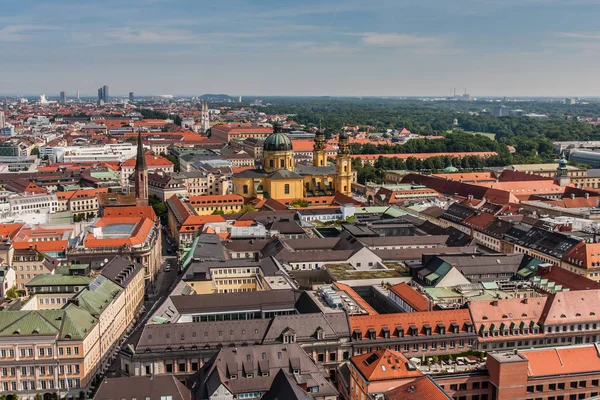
(338, 48)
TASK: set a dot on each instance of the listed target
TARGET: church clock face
(345, 163)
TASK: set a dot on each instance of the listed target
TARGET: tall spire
(141, 174)
(140, 161)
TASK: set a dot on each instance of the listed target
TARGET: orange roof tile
(562, 360)
(506, 312)
(202, 219)
(140, 232)
(356, 297)
(420, 320)
(130, 211)
(377, 366)
(423, 388)
(151, 161)
(469, 176)
(9, 230)
(407, 293)
(43, 246)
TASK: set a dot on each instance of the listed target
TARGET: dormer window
(372, 334)
(414, 331)
(357, 335)
(233, 376)
(441, 329)
(289, 336)
(454, 327)
(249, 375)
(400, 331)
(385, 332)
(427, 330)
(469, 327)
(320, 334)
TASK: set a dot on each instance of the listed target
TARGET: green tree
(160, 208)
(35, 152)
(12, 293)
(299, 203)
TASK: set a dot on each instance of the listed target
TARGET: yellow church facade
(280, 178)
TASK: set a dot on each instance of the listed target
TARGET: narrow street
(162, 285)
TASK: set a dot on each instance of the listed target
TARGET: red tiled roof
(377, 366)
(562, 360)
(479, 221)
(151, 161)
(140, 233)
(415, 299)
(419, 320)
(468, 176)
(503, 313)
(356, 297)
(43, 246)
(9, 230)
(242, 129)
(200, 201)
(572, 307)
(423, 388)
(568, 279)
(130, 211)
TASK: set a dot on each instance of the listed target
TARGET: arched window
(271, 163)
(282, 163)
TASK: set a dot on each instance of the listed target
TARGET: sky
(308, 47)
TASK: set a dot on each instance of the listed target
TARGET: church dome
(278, 142)
(450, 169)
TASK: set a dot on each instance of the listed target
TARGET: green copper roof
(59, 280)
(72, 322)
(278, 142)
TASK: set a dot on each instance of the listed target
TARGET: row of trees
(532, 137)
(376, 173)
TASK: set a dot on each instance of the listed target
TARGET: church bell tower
(343, 166)
(141, 175)
(319, 150)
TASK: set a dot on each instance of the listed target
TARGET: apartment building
(206, 205)
(156, 164)
(416, 333)
(249, 372)
(227, 133)
(136, 237)
(28, 262)
(560, 319)
(61, 350)
(200, 183)
(84, 201)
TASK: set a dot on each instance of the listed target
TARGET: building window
(286, 188)
(245, 189)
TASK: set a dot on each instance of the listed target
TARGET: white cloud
(399, 40)
(581, 36)
(16, 33)
(128, 35)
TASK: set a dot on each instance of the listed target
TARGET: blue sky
(290, 47)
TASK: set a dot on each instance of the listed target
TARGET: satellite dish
(106, 260)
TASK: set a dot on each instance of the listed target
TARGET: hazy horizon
(384, 48)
